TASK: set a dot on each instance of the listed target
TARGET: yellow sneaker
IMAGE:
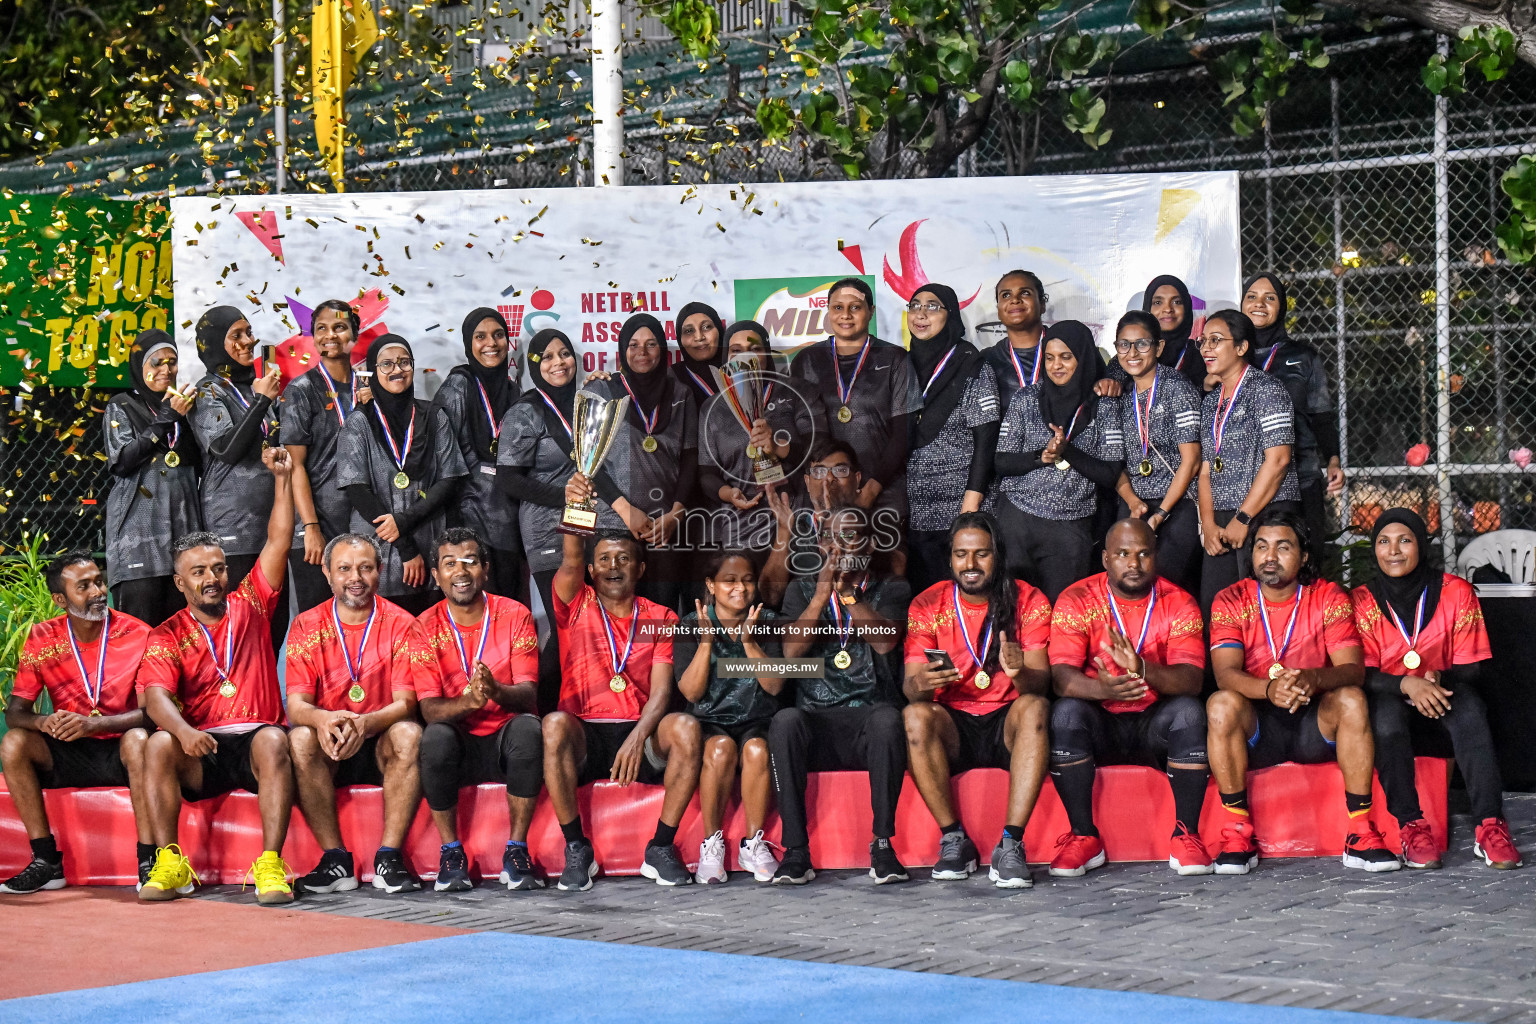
(271, 876)
(172, 876)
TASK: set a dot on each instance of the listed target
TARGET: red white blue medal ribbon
(1146, 622)
(464, 661)
(648, 421)
(1418, 624)
(1276, 654)
(355, 674)
(703, 384)
(619, 660)
(937, 370)
(101, 663)
(265, 427)
(490, 415)
(395, 451)
(978, 656)
(330, 382)
(1144, 420)
(213, 651)
(1018, 367)
(1219, 422)
(842, 391)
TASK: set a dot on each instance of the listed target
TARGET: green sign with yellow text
(79, 278)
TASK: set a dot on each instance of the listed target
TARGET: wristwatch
(849, 599)
(1242, 517)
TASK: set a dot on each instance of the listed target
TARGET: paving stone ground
(1455, 944)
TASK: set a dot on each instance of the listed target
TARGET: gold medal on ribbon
(226, 689)
(1063, 466)
(356, 694)
(1275, 670)
(844, 414)
(172, 459)
(617, 684)
(1217, 465)
(982, 681)
(1145, 469)
(402, 481)
(842, 659)
(95, 712)
(649, 444)
(494, 442)
(1411, 660)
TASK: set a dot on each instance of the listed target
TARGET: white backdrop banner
(582, 259)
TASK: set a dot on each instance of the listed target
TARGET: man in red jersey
(86, 659)
(1425, 647)
(352, 705)
(1127, 658)
(615, 686)
(1289, 670)
(209, 680)
(476, 657)
(986, 706)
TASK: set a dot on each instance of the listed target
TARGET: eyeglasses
(844, 536)
(391, 365)
(842, 471)
(1139, 344)
(924, 307)
(1212, 340)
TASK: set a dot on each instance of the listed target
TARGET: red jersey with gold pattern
(1325, 622)
(179, 659)
(441, 650)
(1082, 621)
(933, 624)
(319, 667)
(587, 663)
(48, 662)
(1454, 635)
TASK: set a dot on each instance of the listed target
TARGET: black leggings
(869, 738)
(1178, 545)
(927, 558)
(152, 599)
(549, 654)
(1400, 731)
(241, 566)
(1218, 572)
(1314, 509)
(506, 571)
(452, 757)
(417, 601)
(310, 587)
(1052, 554)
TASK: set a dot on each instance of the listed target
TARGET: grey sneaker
(1009, 869)
(663, 866)
(580, 867)
(957, 857)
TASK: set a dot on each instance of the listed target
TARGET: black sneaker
(957, 857)
(663, 865)
(1009, 870)
(884, 868)
(334, 873)
(795, 868)
(453, 871)
(40, 874)
(145, 867)
(580, 867)
(391, 873)
(517, 870)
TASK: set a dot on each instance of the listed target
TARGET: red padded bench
(1299, 810)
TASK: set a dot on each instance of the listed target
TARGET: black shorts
(1282, 736)
(740, 732)
(981, 740)
(229, 767)
(603, 742)
(84, 763)
(362, 768)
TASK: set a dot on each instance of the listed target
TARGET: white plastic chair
(1512, 552)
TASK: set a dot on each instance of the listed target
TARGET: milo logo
(791, 309)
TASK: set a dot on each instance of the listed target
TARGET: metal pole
(1339, 320)
(607, 93)
(279, 97)
(1443, 323)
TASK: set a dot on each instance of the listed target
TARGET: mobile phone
(940, 659)
(268, 356)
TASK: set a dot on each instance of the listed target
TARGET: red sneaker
(1419, 849)
(1239, 851)
(1077, 855)
(1367, 851)
(1495, 846)
(1187, 854)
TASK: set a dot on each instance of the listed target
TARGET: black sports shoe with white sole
(884, 868)
(517, 870)
(664, 866)
(453, 871)
(580, 867)
(795, 868)
(36, 876)
(957, 857)
(334, 873)
(391, 873)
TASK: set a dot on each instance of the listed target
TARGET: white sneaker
(711, 860)
(756, 856)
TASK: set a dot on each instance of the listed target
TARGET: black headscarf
(498, 386)
(1058, 403)
(946, 392)
(1275, 333)
(1401, 594)
(396, 409)
(564, 397)
(212, 327)
(768, 360)
(1177, 343)
(700, 366)
(147, 342)
(650, 388)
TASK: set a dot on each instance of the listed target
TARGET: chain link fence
(1376, 202)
